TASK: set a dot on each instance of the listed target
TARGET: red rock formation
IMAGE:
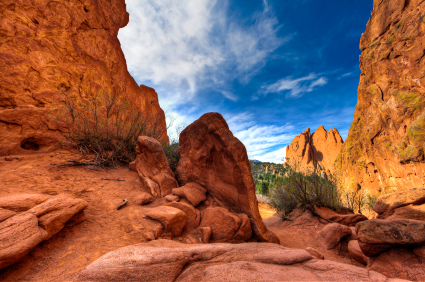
(315, 152)
(212, 157)
(50, 46)
(384, 147)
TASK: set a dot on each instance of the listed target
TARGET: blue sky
(272, 68)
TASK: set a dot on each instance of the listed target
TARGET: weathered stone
(192, 192)
(171, 218)
(5, 214)
(22, 202)
(395, 200)
(172, 198)
(345, 219)
(165, 260)
(55, 212)
(245, 230)
(152, 166)
(143, 199)
(419, 251)
(212, 157)
(68, 46)
(378, 235)
(315, 253)
(332, 234)
(315, 152)
(409, 212)
(18, 235)
(193, 215)
(399, 263)
(223, 223)
(356, 252)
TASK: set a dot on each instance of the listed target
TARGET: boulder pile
(213, 195)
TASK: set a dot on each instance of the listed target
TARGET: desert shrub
(297, 190)
(172, 154)
(106, 125)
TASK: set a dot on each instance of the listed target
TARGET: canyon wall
(385, 146)
(51, 46)
(315, 152)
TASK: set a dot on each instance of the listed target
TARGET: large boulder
(409, 212)
(211, 156)
(172, 219)
(378, 235)
(399, 263)
(332, 234)
(143, 199)
(345, 219)
(356, 252)
(165, 260)
(192, 192)
(223, 223)
(55, 212)
(388, 203)
(152, 166)
(19, 234)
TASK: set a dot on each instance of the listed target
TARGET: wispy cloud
(229, 95)
(295, 87)
(262, 142)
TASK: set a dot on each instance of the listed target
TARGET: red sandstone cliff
(315, 152)
(71, 46)
(385, 145)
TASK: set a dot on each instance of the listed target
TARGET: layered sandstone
(51, 46)
(315, 152)
(385, 145)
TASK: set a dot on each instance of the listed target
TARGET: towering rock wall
(315, 152)
(385, 145)
(50, 46)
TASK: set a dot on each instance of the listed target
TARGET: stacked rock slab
(212, 157)
(164, 260)
(50, 46)
(393, 241)
(33, 223)
(384, 148)
(315, 152)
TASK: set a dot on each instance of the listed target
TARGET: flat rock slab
(165, 260)
(395, 200)
(377, 235)
(345, 219)
(22, 202)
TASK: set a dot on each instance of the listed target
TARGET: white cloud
(188, 44)
(260, 141)
(274, 156)
(229, 95)
(296, 87)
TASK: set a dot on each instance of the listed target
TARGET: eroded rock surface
(69, 46)
(332, 234)
(345, 219)
(164, 260)
(384, 147)
(152, 166)
(315, 152)
(212, 157)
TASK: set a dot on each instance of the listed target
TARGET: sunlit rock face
(51, 46)
(315, 152)
(385, 145)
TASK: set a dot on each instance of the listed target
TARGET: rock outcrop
(152, 166)
(315, 152)
(21, 232)
(212, 157)
(163, 260)
(384, 148)
(69, 46)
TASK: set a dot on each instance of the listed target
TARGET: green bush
(105, 125)
(303, 191)
(172, 154)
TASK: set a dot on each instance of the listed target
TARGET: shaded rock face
(21, 232)
(152, 166)
(212, 157)
(384, 147)
(345, 219)
(70, 46)
(164, 260)
(315, 152)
